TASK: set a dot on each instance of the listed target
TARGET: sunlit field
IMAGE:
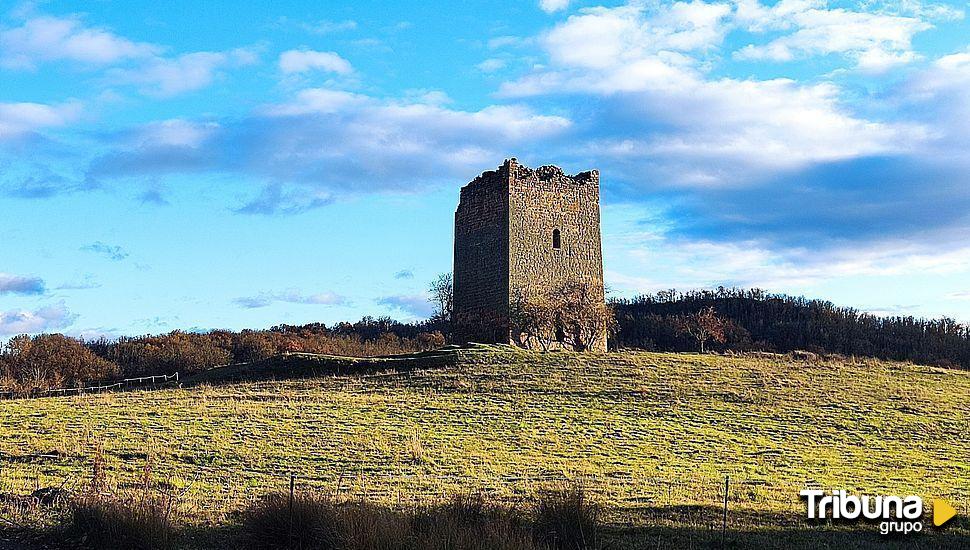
(649, 436)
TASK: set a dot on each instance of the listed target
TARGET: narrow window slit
(556, 239)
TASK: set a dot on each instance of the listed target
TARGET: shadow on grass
(147, 520)
(700, 527)
(564, 520)
(310, 365)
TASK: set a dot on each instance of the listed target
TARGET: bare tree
(531, 320)
(581, 317)
(574, 315)
(442, 296)
(702, 326)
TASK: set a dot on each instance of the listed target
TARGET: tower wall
(545, 200)
(481, 272)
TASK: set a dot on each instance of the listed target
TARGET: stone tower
(519, 229)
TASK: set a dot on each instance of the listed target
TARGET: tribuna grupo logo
(895, 514)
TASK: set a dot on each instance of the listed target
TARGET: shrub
(305, 522)
(430, 340)
(370, 527)
(50, 361)
(144, 518)
(165, 353)
(469, 523)
(189, 352)
(567, 520)
(248, 346)
(142, 521)
(465, 523)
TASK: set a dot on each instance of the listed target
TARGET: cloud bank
(15, 284)
(45, 319)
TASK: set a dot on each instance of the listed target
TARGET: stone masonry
(519, 229)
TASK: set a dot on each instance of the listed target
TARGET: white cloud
(325, 143)
(949, 73)
(175, 132)
(918, 8)
(757, 17)
(167, 77)
(427, 97)
(328, 27)
(678, 263)
(17, 119)
(425, 118)
(939, 93)
(293, 297)
(45, 38)
(648, 251)
(21, 321)
(491, 65)
(301, 61)
(608, 37)
(876, 41)
(688, 128)
(320, 101)
(552, 6)
(277, 198)
(338, 142)
(415, 306)
(773, 124)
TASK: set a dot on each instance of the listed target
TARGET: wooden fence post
(292, 487)
(727, 482)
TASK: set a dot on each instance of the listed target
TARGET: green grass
(650, 435)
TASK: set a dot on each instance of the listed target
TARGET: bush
(431, 340)
(144, 518)
(248, 346)
(166, 353)
(305, 522)
(567, 520)
(189, 352)
(50, 361)
(371, 527)
(465, 523)
(137, 522)
(469, 523)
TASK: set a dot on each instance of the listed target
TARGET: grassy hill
(650, 435)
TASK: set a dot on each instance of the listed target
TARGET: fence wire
(118, 385)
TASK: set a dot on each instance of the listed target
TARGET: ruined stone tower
(519, 229)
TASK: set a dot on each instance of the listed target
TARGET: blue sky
(231, 165)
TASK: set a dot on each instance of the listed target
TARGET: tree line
(753, 319)
(47, 361)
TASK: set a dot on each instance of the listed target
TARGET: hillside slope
(639, 430)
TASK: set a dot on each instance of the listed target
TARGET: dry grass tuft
(568, 520)
(305, 521)
(313, 522)
(142, 521)
(470, 523)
